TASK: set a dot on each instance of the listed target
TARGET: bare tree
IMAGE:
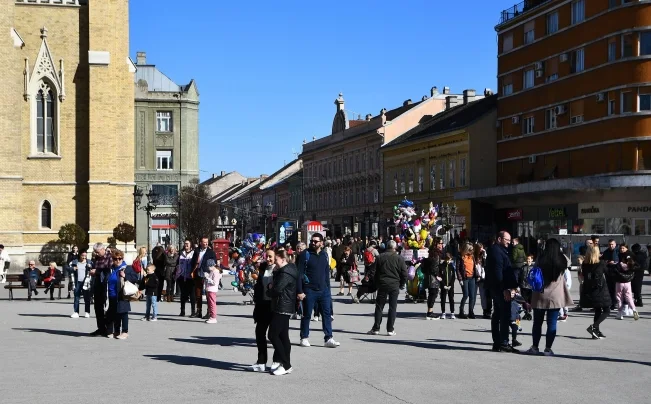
(196, 211)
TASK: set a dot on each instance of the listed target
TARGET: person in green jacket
(518, 256)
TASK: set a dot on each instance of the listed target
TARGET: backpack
(535, 279)
(369, 258)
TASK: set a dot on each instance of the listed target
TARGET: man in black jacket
(501, 284)
(199, 268)
(390, 277)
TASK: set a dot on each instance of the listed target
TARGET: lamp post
(152, 204)
(447, 212)
(268, 208)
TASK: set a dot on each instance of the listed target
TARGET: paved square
(47, 358)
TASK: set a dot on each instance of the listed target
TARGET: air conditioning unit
(576, 119)
(538, 66)
(560, 109)
(563, 57)
(515, 119)
(532, 159)
(601, 97)
(539, 74)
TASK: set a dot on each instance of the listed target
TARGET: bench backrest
(15, 278)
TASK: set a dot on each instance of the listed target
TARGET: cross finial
(43, 32)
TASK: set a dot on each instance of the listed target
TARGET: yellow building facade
(441, 156)
(66, 121)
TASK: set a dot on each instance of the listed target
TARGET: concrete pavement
(47, 357)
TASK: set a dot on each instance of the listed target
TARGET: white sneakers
(276, 369)
(304, 342)
(259, 367)
(274, 366)
(331, 343)
(154, 319)
(87, 315)
(211, 321)
(281, 371)
(74, 315)
(391, 333)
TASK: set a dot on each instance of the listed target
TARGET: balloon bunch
(414, 228)
(245, 263)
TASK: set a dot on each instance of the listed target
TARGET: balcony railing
(520, 8)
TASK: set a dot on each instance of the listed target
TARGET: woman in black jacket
(262, 312)
(594, 293)
(345, 263)
(68, 271)
(158, 259)
(430, 268)
(283, 304)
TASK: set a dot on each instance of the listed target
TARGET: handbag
(129, 289)
(353, 275)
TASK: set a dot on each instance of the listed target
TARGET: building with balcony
(342, 181)
(166, 146)
(573, 118)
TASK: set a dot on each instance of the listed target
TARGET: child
(447, 273)
(525, 288)
(211, 282)
(624, 274)
(517, 304)
(150, 284)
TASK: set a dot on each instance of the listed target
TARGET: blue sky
(269, 72)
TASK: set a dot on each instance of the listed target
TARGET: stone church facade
(66, 121)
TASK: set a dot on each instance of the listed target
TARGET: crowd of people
(512, 286)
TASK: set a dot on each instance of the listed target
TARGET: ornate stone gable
(44, 68)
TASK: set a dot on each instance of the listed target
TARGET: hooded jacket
(283, 291)
(518, 256)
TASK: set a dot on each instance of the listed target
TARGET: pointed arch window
(46, 215)
(45, 120)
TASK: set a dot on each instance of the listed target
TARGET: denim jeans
(79, 291)
(324, 299)
(469, 289)
(501, 319)
(152, 303)
(536, 329)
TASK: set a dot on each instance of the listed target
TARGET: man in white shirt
(4, 261)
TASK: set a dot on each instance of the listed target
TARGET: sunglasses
(315, 241)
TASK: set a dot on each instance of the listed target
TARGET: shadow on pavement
(64, 333)
(418, 344)
(223, 341)
(43, 315)
(317, 329)
(203, 362)
(412, 315)
(462, 342)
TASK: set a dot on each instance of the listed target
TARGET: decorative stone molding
(74, 3)
(164, 140)
(44, 68)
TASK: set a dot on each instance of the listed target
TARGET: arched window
(46, 120)
(46, 215)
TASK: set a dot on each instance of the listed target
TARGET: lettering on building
(590, 210)
(639, 209)
(556, 213)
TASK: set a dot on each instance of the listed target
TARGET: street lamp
(152, 204)
(268, 208)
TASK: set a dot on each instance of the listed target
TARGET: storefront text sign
(557, 213)
(514, 214)
(640, 210)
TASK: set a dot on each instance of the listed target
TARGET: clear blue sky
(269, 72)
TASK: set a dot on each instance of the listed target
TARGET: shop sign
(514, 214)
(285, 231)
(557, 213)
(615, 210)
(638, 209)
(457, 219)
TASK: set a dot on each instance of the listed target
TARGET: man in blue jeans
(314, 287)
(501, 284)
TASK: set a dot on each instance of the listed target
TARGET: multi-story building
(574, 117)
(450, 152)
(167, 147)
(343, 171)
(66, 121)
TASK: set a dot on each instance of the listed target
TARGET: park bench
(16, 282)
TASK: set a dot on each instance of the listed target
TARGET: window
(507, 42)
(550, 118)
(529, 36)
(640, 227)
(370, 164)
(421, 180)
(462, 172)
(164, 121)
(576, 119)
(577, 61)
(452, 173)
(627, 45)
(376, 196)
(645, 43)
(163, 159)
(552, 23)
(395, 183)
(578, 11)
(645, 102)
(402, 181)
(411, 180)
(46, 215)
(528, 78)
(551, 77)
(612, 51)
(432, 177)
(45, 129)
(611, 107)
(627, 102)
(507, 89)
(527, 125)
(442, 175)
(167, 194)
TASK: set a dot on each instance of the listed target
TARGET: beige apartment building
(343, 180)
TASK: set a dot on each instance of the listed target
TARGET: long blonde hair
(142, 252)
(591, 255)
(467, 249)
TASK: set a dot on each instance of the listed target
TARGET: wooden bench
(16, 282)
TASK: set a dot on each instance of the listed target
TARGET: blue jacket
(317, 270)
(499, 273)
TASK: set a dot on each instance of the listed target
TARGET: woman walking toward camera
(555, 295)
(594, 292)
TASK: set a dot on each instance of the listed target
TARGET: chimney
(424, 98)
(434, 91)
(214, 176)
(468, 96)
(369, 117)
(339, 102)
(141, 58)
(488, 92)
(223, 173)
(446, 90)
(451, 101)
(407, 102)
